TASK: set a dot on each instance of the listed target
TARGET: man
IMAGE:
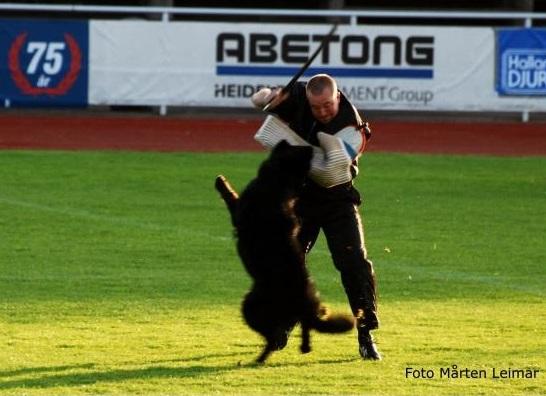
(308, 109)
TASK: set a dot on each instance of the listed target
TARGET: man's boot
(366, 345)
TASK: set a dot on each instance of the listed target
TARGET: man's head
(323, 97)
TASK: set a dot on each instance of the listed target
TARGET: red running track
(175, 133)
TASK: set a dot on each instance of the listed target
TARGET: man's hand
(267, 99)
(367, 130)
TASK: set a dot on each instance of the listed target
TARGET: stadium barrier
(59, 62)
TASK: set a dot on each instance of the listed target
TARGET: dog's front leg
(228, 194)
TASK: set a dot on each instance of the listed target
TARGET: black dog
(266, 226)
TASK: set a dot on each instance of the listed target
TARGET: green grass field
(118, 275)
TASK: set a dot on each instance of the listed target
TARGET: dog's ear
(281, 146)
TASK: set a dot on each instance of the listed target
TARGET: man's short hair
(318, 83)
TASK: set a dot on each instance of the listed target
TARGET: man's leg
(345, 236)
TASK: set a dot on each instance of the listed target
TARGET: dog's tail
(328, 322)
(228, 194)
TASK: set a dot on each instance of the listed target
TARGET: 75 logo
(47, 59)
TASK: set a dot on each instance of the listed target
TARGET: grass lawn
(118, 275)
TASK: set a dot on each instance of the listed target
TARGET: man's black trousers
(335, 211)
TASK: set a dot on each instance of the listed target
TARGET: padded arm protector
(330, 165)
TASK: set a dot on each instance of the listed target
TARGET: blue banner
(43, 63)
(521, 62)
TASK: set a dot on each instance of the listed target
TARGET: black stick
(306, 65)
(310, 60)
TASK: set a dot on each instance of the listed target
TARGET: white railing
(351, 16)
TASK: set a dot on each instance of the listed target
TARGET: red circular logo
(21, 80)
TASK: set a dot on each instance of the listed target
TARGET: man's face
(324, 106)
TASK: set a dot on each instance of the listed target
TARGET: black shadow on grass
(50, 381)
(89, 378)
(198, 358)
(34, 370)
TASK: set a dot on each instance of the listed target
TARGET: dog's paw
(220, 182)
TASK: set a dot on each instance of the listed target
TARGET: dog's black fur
(266, 226)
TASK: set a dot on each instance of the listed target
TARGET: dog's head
(287, 163)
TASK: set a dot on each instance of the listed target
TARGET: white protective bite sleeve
(330, 165)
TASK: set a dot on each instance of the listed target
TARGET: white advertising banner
(222, 64)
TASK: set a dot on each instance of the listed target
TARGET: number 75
(53, 60)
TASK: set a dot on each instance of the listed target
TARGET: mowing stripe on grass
(87, 215)
(496, 280)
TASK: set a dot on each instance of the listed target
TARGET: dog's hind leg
(265, 354)
(305, 346)
(228, 194)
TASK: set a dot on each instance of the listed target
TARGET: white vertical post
(163, 110)
(525, 116)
